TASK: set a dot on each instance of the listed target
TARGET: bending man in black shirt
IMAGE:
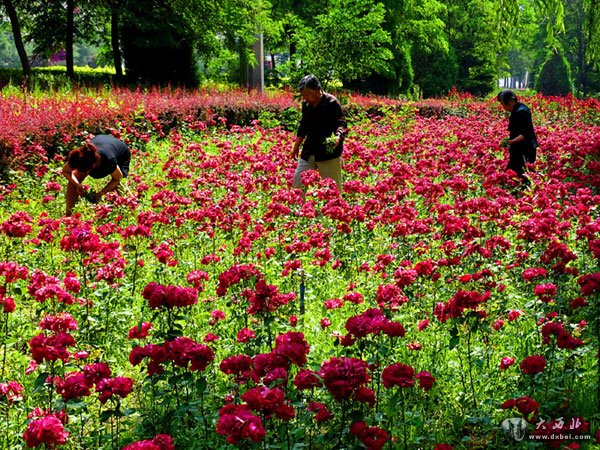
(522, 143)
(104, 155)
(322, 130)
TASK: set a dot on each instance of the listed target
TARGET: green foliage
(555, 75)
(54, 77)
(157, 45)
(347, 43)
(436, 72)
(476, 44)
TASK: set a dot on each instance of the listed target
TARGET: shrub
(555, 75)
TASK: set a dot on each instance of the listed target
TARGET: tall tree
(18, 38)
(115, 17)
(70, 31)
(476, 43)
(347, 43)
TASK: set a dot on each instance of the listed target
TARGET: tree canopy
(397, 47)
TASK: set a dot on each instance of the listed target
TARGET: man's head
(508, 99)
(310, 89)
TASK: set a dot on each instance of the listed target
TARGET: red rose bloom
(323, 414)
(307, 379)
(47, 431)
(506, 362)
(237, 422)
(398, 374)
(344, 376)
(533, 364)
(373, 438)
(426, 380)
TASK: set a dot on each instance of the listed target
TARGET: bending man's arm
(115, 179)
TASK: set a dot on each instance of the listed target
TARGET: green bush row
(55, 77)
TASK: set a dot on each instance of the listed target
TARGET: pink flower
(506, 362)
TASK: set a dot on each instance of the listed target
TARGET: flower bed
(211, 306)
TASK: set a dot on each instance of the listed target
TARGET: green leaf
(201, 385)
(453, 342)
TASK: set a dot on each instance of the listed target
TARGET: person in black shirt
(320, 134)
(522, 142)
(101, 157)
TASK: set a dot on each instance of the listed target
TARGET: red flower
(51, 348)
(398, 374)
(244, 335)
(8, 304)
(426, 380)
(119, 386)
(11, 391)
(589, 283)
(268, 402)
(307, 379)
(533, 364)
(545, 292)
(238, 365)
(95, 372)
(423, 324)
(323, 414)
(139, 331)
(47, 431)
(169, 297)
(373, 438)
(344, 376)
(506, 362)
(525, 405)
(365, 395)
(292, 345)
(62, 322)
(74, 385)
(160, 442)
(237, 422)
(393, 329)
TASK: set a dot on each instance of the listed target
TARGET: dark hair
(506, 95)
(310, 82)
(84, 157)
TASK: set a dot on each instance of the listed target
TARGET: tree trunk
(114, 41)
(16, 29)
(69, 38)
(244, 66)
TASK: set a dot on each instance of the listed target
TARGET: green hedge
(55, 77)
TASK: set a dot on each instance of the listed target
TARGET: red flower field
(211, 305)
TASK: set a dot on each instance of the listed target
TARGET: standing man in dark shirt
(101, 157)
(322, 130)
(522, 143)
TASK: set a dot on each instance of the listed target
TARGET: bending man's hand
(296, 149)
